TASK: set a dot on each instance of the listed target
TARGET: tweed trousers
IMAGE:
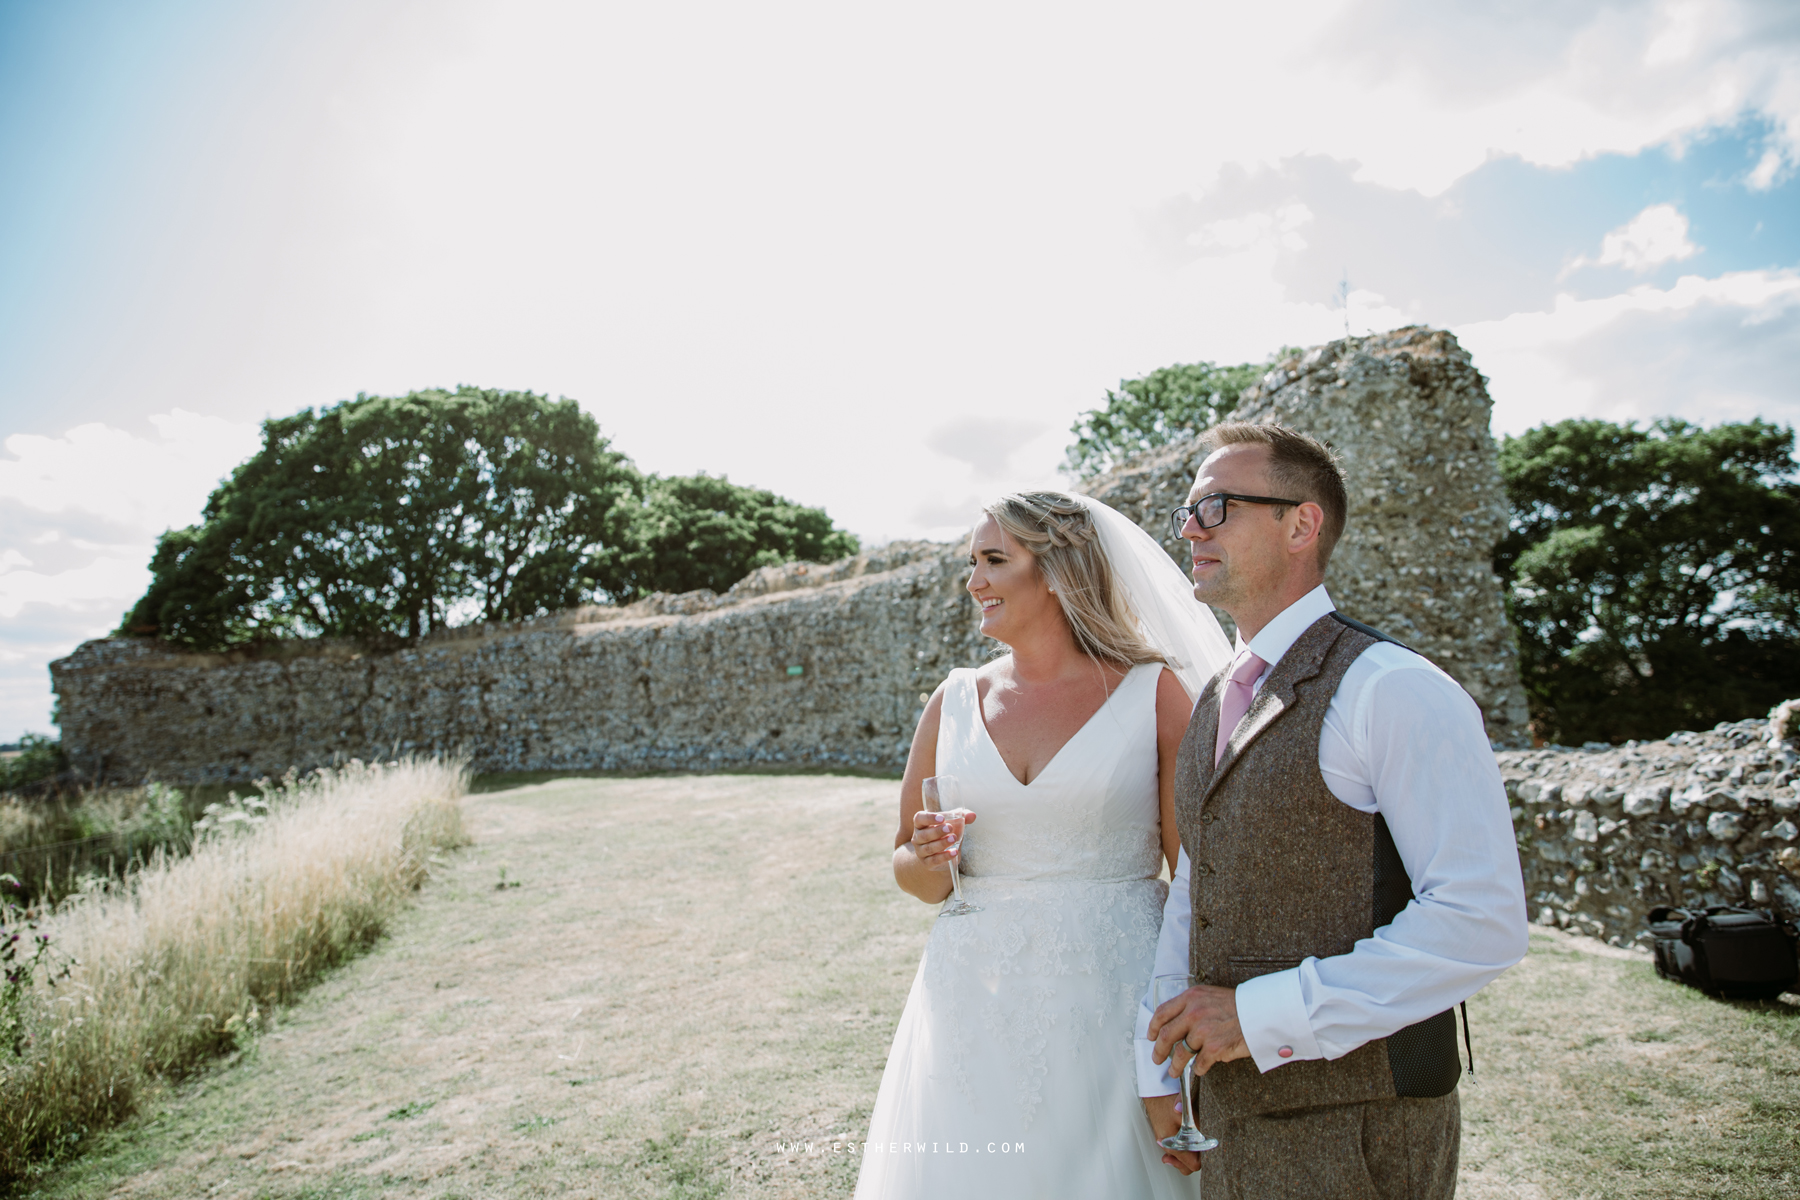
(1399, 1149)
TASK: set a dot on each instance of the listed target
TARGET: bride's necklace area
(1043, 718)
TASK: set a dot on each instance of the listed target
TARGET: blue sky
(877, 260)
(1509, 235)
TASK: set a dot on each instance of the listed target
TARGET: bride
(1011, 1072)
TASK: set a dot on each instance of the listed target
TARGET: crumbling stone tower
(1409, 413)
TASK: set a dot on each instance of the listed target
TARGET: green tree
(702, 531)
(1164, 406)
(1654, 574)
(39, 757)
(394, 516)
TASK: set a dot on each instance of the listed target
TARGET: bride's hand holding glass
(942, 795)
(937, 837)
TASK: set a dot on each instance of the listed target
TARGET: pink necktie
(1236, 700)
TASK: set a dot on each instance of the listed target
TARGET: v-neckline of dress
(988, 736)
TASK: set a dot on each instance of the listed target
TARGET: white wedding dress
(1011, 1073)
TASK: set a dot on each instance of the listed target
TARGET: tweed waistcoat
(1282, 870)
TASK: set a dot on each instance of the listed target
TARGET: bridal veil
(1161, 596)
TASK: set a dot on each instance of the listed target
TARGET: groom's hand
(1205, 1017)
(1164, 1120)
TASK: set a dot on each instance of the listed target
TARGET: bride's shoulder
(1148, 675)
(959, 677)
(1173, 704)
(984, 677)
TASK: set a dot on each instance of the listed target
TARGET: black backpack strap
(1373, 632)
(1383, 835)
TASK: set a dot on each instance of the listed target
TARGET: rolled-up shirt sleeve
(1409, 744)
(1171, 959)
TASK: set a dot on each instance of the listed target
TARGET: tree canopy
(40, 757)
(702, 531)
(1164, 406)
(391, 517)
(1654, 574)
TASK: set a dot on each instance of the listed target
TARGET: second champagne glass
(1188, 1137)
(944, 795)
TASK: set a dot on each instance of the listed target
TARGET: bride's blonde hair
(1063, 538)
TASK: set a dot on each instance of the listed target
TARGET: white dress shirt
(1403, 739)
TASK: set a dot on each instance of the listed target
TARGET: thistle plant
(25, 952)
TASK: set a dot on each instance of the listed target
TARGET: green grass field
(671, 986)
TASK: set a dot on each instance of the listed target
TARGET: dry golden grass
(688, 986)
(19, 824)
(51, 844)
(684, 982)
(177, 963)
(1597, 1079)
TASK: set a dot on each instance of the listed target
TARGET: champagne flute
(939, 791)
(1188, 1137)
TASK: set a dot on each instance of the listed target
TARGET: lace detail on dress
(1022, 1014)
(1023, 1025)
(997, 977)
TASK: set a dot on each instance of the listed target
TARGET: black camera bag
(1737, 953)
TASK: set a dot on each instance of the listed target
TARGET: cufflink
(1286, 1052)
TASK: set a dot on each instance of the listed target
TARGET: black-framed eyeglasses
(1210, 510)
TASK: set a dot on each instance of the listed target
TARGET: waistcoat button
(1201, 922)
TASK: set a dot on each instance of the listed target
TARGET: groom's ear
(1304, 529)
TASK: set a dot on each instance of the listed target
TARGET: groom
(1348, 873)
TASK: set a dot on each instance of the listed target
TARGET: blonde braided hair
(1063, 538)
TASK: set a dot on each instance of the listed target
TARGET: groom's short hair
(1300, 467)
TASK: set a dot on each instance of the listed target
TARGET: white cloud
(1003, 454)
(106, 579)
(1280, 228)
(947, 516)
(1553, 81)
(1769, 170)
(144, 483)
(985, 443)
(79, 516)
(90, 504)
(1659, 234)
(1704, 349)
(1679, 33)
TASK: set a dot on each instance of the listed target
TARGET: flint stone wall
(1608, 833)
(791, 671)
(819, 666)
(1409, 413)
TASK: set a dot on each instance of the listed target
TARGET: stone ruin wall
(704, 682)
(1608, 833)
(1409, 413)
(820, 667)
(787, 670)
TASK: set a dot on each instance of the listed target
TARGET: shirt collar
(1278, 636)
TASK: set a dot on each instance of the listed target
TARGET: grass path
(1599, 1079)
(660, 1008)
